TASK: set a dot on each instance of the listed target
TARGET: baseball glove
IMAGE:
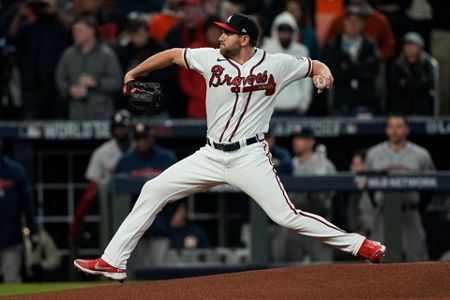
(143, 96)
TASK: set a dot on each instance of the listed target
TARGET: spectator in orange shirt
(161, 23)
(376, 26)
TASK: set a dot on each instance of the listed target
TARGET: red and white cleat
(372, 250)
(100, 267)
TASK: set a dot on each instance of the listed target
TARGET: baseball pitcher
(242, 84)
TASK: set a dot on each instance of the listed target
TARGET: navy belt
(231, 146)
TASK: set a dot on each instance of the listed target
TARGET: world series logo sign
(85, 130)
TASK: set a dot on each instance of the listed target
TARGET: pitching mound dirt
(352, 281)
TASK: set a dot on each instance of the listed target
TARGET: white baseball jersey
(103, 161)
(240, 99)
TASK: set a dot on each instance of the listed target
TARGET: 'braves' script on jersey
(253, 82)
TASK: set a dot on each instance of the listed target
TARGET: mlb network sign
(396, 182)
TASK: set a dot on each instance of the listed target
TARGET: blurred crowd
(66, 59)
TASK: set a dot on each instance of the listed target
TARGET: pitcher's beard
(229, 52)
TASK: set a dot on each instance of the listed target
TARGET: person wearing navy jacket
(16, 200)
(147, 158)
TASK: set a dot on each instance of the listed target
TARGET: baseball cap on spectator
(141, 130)
(121, 118)
(414, 38)
(304, 132)
(240, 24)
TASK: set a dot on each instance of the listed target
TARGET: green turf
(28, 288)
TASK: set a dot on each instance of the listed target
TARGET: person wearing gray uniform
(286, 245)
(398, 155)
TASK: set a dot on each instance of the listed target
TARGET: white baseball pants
(251, 170)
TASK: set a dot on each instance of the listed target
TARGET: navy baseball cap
(121, 118)
(304, 132)
(240, 24)
(141, 130)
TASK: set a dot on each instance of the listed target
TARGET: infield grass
(28, 288)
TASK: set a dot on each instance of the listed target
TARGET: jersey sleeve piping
(185, 58)
(309, 67)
